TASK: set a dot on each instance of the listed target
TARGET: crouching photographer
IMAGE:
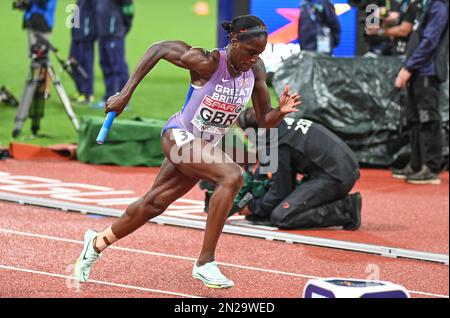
(321, 198)
(38, 18)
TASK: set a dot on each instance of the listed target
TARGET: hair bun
(226, 25)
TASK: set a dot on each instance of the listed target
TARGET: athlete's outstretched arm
(198, 61)
(266, 116)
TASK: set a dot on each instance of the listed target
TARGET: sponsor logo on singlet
(219, 112)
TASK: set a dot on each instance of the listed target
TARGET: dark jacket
(318, 145)
(314, 15)
(424, 43)
(88, 28)
(114, 17)
(307, 148)
(40, 16)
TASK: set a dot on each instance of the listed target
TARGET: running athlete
(222, 82)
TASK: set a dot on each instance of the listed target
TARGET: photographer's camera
(39, 51)
(22, 4)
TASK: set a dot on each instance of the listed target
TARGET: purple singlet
(210, 110)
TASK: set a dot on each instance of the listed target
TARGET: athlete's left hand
(288, 103)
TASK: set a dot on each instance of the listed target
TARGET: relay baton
(105, 127)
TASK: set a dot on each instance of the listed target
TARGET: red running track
(39, 246)
(394, 214)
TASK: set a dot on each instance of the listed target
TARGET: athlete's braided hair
(245, 27)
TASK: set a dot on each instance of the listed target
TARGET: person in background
(396, 27)
(114, 20)
(38, 19)
(319, 29)
(426, 67)
(82, 51)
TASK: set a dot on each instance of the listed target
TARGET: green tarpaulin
(129, 142)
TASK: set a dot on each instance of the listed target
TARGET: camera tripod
(34, 95)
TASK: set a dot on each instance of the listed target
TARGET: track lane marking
(97, 281)
(192, 259)
(54, 238)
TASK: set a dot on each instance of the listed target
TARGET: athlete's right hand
(116, 103)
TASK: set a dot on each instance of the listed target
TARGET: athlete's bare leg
(174, 180)
(221, 170)
(170, 184)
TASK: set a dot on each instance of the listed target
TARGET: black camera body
(22, 4)
(39, 51)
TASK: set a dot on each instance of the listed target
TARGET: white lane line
(98, 282)
(192, 259)
(427, 294)
(54, 238)
(183, 200)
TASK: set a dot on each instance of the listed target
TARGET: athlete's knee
(152, 206)
(233, 179)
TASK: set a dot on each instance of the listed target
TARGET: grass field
(160, 95)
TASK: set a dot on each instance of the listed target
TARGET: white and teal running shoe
(87, 257)
(211, 276)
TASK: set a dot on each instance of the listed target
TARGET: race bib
(214, 116)
(182, 136)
